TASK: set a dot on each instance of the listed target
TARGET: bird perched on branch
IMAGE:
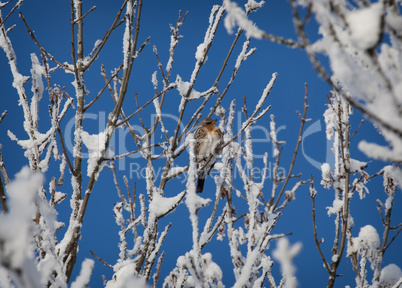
(208, 137)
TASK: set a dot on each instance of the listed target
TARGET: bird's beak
(214, 121)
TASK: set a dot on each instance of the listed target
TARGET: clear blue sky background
(50, 21)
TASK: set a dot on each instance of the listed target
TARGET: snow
(237, 17)
(367, 244)
(211, 270)
(199, 54)
(330, 119)
(361, 188)
(162, 205)
(365, 24)
(127, 39)
(284, 254)
(384, 153)
(214, 19)
(206, 273)
(95, 144)
(244, 54)
(125, 276)
(272, 134)
(356, 165)
(313, 191)
(337, 205)
(290, 194)
(37, 71)
(183, 86)
(392, 179)
(193, 201)
(17, 227)
(158, 108)
(85, 274)
(155, 80)
(173, 44)
(176, 170)
(326, 175)
(252, 5)
(390, 275)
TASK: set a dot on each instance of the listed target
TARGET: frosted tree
(37, 255)
(349, 179)
(362, 42)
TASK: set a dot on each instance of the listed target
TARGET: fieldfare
(208, 137)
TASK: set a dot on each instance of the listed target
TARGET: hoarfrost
(162, 205)
(237, 17)
(367, 243)
(253, 5)
(285, 253)
(365, 25)
(390, 275)
(336, 207)
(326, 175)
(96, 149)
(85, 274)
(17, 227)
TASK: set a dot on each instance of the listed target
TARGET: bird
(208, 137)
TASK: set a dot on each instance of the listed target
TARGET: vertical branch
(70, 254)
(313, 194)
(209, 36)
(303, 120)
(71, 248)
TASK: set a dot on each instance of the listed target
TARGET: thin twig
(113, 169)
(3, 115)
(303, 120)
(106, 36)
(131, 152)
(101, 260)
(142, 107)
(83, 16)
(158, 269)
(63, 147)
(357, 129)
(51, 57)
(104, 87)
(393, 238)
(16, 6)
(317, 243)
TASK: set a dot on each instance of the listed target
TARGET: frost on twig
(348, 177)
(236, 16)
(285, 254)
(361, 42)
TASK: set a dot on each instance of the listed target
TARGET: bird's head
(206, 122)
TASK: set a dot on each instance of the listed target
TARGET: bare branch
(114, 25)
(51, 57)
(83, 16)
(104, 87)
(303, 120)
(317, 242)
(3, 115)
(101, 260)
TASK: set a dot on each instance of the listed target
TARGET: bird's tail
(200, 184)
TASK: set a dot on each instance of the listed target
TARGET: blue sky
(50, 22)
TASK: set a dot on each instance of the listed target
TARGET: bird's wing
(199, 134)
